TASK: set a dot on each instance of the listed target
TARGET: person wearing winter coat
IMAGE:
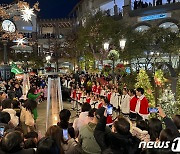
(176, 120)
(18, 91)
(72, 147)
(7, 107)
(173, 125)
(83, 118)
(31, 95)
(125, 102)
(115, 98)
(141, 131)
(86, 135)
(27, 117)
(119, 140)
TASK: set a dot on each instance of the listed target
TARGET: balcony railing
(50, 36)
(140, 4)
(113, 11)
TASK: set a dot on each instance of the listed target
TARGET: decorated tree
(178, 94)
(159, 78)
(144, 82)
(168, 102)
(106, 69)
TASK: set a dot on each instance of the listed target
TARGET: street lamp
(48, 58)
(106, 46)
(122, 43)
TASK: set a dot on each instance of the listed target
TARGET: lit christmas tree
(144, 82)
(168, 102)
(178, 94)
(159, 78)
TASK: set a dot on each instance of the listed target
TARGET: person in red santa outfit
(94, 87)
(108, 95)
(133, 102)
(88, 98)
(73, 97)
(142, 105)
(104, 102)
(98, 88)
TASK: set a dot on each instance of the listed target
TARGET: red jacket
(144, 106)
(98, 90)
(73, 94)
(100, 105)
(133, 103)
(88, 99)
(109, 120)
(109, 96)
(79, 96)
(94, 87)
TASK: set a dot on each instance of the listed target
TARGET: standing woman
(27, 117)
(2, 97)
(32, 96)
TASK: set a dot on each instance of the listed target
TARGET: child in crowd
(88, 98)
(105, 103)
(115, 98)
(94, 87)
(103, 91)
(41, 99)
(45, 90)
(98, 89)
(108, 95)
(73, 97)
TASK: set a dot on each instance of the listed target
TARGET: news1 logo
(175, 146)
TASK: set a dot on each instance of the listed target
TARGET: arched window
(171, 25)
(142, 28)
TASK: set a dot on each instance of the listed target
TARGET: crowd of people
(109, 121)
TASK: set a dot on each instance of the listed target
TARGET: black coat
(115, 143)
(18, 92)
(23, 151)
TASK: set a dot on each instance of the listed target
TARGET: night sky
(51, 8)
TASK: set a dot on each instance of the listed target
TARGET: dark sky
(52, 8)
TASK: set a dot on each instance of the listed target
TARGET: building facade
(51, 37)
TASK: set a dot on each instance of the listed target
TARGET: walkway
(41, 121)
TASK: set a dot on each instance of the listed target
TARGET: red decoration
(121, 66)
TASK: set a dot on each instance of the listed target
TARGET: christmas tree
(178, 94)
(168, 102)
(144, 82)
(159, 78)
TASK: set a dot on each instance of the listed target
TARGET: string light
(21, 11)
(27, 13)
(20, 41)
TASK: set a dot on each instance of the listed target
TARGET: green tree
(178, 94)
(143, 81)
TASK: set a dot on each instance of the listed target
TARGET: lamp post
(106, 46)
(5, 70)
(48, 58)
(122, 43)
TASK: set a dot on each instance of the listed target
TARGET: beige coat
(27, 120)
(14, 119)
(141, 134)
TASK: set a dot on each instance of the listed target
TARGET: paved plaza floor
(41, 121)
